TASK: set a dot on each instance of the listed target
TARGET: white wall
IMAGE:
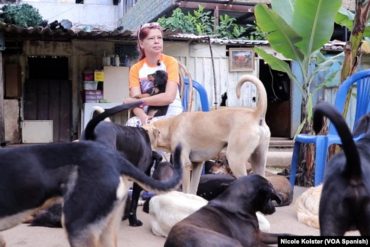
(197, 58)
(101, 13)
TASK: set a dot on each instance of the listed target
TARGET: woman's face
(153, 43)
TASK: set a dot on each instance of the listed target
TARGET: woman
(150, 46)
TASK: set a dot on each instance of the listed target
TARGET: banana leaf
(313, 21)
(280, 35)
(284, 8)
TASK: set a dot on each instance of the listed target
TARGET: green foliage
(198, 22)
(228, 28)
(298, 29)
(23, 15)
(201, 22)
(178, 21)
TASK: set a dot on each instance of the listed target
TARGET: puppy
(345, 197)
(243, 132)
(211, 185)
(132, 142)
(92, 179)
(159, 79)
(230, 219)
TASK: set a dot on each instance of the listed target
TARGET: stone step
(279, 158)
(281, 142)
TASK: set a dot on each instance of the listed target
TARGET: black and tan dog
(92, 179)
(230, 219)
(345, 198)
(132, 143)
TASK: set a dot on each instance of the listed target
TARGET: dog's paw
(135, 222)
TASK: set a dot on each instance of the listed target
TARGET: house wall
(11, 117)
(81, 55)
(197, 58)
(100, 13)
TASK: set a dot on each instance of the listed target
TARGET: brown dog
(230, 219)
(241, 131)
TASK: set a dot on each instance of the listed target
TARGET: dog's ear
(152, 132)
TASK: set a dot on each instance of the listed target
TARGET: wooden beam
(220, 6)
(216, 14)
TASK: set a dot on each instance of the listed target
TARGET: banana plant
(360, 27)
(298, 29)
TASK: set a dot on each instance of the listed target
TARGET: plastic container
(90, 85)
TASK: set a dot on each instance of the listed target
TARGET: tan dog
(241, 131)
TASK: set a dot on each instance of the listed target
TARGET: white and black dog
(92, 179)
(345, 198)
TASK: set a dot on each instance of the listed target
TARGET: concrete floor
(284, 220)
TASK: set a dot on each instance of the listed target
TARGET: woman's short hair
(143, 33)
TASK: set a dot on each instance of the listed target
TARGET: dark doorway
(277, 86)
(47, 94)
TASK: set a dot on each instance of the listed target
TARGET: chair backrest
(360, 79)
(187, 83)
(201, 92)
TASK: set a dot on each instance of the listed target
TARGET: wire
(272, 84)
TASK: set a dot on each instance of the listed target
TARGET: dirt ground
(284, 220)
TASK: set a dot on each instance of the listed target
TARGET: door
(47, 94)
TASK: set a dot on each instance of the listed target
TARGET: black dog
(230, 219)
(92, 179)
(160, 78)
(345, 198)
(132, 142)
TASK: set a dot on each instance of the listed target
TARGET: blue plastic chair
(201, 92)
(322, 142)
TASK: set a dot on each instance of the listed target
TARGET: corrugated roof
(96, 33)
(40, 32)
(214, 40)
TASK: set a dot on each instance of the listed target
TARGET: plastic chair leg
(294, 163)
(320, 160)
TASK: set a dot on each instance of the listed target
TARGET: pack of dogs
(101, 167)
(33, 177)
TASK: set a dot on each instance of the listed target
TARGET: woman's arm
(160, 99)
(139, 112)
(165, 98)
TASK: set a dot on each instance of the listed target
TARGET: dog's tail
(98, 110)
(90, 127)
(353, 165)
(150, 184)
(261, 93)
